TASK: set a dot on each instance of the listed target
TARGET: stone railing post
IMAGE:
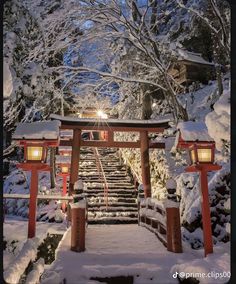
(78, 223)
(173, 227)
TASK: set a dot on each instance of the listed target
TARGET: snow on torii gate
(110, 126)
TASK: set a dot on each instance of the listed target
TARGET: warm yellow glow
(64, 170)
(34, 153)
(66, 154)
(102, 114)
(204, 155)
(193, 156)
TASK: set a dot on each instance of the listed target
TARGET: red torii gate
(110, 126)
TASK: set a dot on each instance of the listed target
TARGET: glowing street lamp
(202, 160)
(64, 169)
(102, 114)
(63, 163)
(36, 138)
(35, 153)
(202, 153)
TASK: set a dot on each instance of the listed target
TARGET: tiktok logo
(175, 275)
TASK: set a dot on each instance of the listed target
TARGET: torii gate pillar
(74, 169)
(144, 148)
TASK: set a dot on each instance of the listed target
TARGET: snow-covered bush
(218, 122)
(190, 206)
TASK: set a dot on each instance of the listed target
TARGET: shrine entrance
(107, 128)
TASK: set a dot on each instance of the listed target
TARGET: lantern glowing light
(34, 153)
(201, 154)
(66, 154)
(64, 169)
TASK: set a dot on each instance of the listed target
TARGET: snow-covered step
(110, 186)
(114, 209)
(114, 220)
(112, 204)
(110, 190)
(110, 194)
(122, 201)
(99, 199)
(109, 169)
(110, 179)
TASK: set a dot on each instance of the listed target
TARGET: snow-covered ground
(122, 250)
(15, 231)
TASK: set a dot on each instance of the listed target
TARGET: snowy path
(117, 250)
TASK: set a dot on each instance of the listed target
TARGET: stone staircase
(122, 195)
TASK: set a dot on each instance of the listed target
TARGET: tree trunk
(219, 80)
(146, 105)
(62, 106)
(134, 11)
(180, 112)
(53, 167)
(153, 20)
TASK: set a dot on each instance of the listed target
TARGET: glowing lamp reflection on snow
(201, 154)
(35, 153)
(66, 154)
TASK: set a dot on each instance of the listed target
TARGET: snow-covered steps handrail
(39, 196)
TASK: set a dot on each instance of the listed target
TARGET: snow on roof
(194, 131)
(37, 130)
(65, 148)
(66, 133)
(112, 122)
(171, 183)
(63, 159)
(192, 56)
(79, 204)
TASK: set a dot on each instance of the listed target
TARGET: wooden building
(191, 67)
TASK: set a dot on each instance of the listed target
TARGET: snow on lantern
(65, 150)
(36, 138)
(194, 137)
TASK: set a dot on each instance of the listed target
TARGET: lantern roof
(63, 159)
(65, 148)
(40, 130)
(194, 131)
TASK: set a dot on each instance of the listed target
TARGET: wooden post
(64, 190)
(74, 169)
(33, 202)
(173, 229)
(206, 214)
(144, 149)
(78, 217)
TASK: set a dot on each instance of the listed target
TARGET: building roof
(185, 55)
